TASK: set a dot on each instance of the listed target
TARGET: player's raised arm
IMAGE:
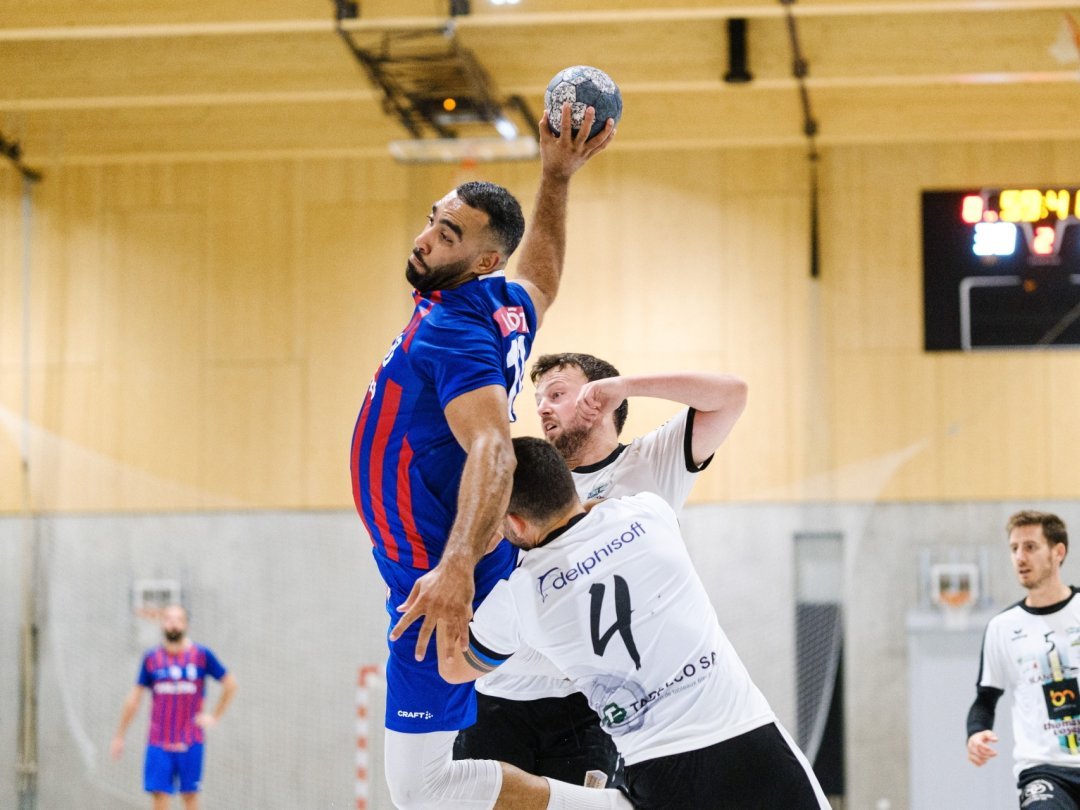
(717, 399)
(540, 263)
(444, 595)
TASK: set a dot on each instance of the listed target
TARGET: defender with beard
(527, 710)
(175, 674)
(432, 462)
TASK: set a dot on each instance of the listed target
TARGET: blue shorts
(164, 769)
(418, 700)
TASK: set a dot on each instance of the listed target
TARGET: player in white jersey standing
(527, 712)
(612, 599)
(1033, 649)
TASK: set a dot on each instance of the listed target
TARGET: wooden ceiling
(91, 81)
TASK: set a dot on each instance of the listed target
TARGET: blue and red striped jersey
(178, 684)
(406, 464)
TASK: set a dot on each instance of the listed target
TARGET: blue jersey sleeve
(144, 678)
(214, 667)
(458, 355)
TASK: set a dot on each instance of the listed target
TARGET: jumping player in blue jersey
(432, 465)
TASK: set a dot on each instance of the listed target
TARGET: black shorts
(757, 770)
(556, 737)
(1049, 787)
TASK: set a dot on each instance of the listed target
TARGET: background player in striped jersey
(610, 596)
(175, 675)
(432, 462)
(528, 713)
(1032, 648)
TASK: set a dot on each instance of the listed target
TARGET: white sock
(565, 796)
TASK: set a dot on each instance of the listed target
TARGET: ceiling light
(505, 127)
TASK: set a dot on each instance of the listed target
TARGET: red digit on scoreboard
(1043, 243)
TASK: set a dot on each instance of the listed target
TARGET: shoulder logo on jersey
(540, 583)
(511, 320)
(598, 491)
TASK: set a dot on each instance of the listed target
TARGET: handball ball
(582, 86)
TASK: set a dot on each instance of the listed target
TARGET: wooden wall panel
(996, 425)
(203, 333)
(1060, 390)
(977, 425)
(358, 301)
(253, 444)
(252, 294)
(353, 232)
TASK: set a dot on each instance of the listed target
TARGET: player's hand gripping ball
(583, 87)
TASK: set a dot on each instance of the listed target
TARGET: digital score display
(1001, 268)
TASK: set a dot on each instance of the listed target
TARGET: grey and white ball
(583, 87)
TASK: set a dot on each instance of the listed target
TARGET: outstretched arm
(540, 264)
(718, 399)
(444, 595)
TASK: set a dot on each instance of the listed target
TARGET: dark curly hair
(543, 485)
(504, 212)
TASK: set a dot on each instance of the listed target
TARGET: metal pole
(27, 766)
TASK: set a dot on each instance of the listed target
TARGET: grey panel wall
(10, 600)
(292, 604)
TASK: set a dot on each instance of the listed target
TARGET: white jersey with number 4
(660, 462)
(614, 602)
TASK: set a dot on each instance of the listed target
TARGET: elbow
(738, 392)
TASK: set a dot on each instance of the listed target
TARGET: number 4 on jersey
(622, 619)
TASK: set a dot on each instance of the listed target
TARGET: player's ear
(516, 524)
(488, 262)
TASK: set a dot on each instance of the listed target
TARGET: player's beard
(442, 277)
(571, 440)
(173, 636)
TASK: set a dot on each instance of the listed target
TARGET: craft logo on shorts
(1062, 698)
(415, 715)
(511, 320)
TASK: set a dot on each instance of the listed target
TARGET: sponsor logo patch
(415, 715)
(1038, 791)
(511, 320)
(555, 579)
(1062, 698)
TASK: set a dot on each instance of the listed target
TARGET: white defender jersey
(1035, 652)
(658, 462)
(614, 602)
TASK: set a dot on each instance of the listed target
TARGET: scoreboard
(1001, 268)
